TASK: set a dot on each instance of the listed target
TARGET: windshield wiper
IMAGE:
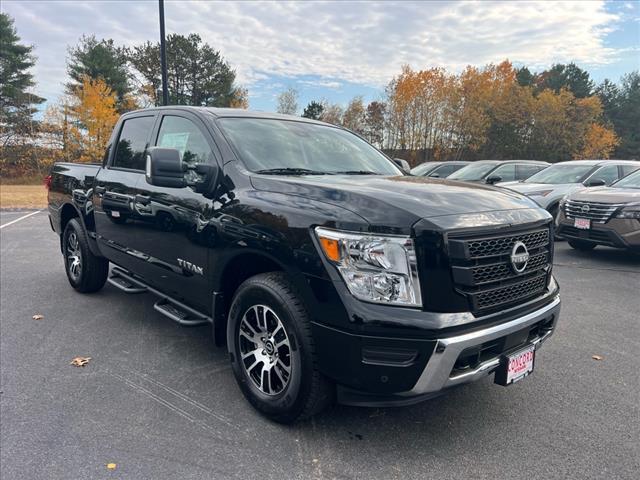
(356, 172)
(291, 171)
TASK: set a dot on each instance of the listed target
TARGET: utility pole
(163, 56)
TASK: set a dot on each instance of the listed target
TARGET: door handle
(143, 200)
(99, 190)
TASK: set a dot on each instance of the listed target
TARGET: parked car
(325, 271)
(438, 169)
(603, 215)
(494, 171)
(549, 186)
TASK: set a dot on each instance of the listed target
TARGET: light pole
(163, 56)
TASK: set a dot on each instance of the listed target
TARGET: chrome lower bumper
(437, 374)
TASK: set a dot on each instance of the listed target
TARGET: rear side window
(525, 171)
(627, 169)
(132, 143)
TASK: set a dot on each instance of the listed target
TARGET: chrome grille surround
(595, 211)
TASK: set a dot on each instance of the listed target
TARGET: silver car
(550, 185)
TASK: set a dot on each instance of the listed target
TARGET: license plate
(516, 366)
(583, 223)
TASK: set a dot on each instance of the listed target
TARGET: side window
(132, 143)
(608, 173)
(444, 171)
(183, 135)
(506, 172)
(525, 171)
(627, 169)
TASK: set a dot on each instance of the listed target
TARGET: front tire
(272, 350)
(582, 245)
(86, 272)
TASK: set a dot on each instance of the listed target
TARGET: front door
(174, 231)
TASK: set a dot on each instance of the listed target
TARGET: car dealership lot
(160, 401)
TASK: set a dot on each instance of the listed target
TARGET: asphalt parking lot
(160, 401)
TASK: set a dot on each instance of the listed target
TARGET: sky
(337, 50)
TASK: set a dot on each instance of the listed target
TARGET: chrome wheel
(74, 256)
(265, 350)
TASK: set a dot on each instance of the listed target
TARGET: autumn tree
(240, 98)
(331, 113)
(313, 110)
(288, 102)
(354, 116)
(101, 59)
(375, 122)
(94, 115)
(599, 142)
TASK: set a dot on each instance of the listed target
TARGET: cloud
(361, 43)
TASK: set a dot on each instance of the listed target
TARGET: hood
(607, 195)
(396, 202)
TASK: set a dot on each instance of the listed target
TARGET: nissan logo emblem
(519, 257)
(585, 209)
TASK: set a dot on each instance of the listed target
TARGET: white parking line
(18, 219)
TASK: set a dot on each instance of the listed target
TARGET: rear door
(116, 187)
(174, 230)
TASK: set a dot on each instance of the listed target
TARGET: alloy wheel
(74, 256)
(265, 349)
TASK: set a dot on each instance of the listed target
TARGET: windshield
(556, 174)
(630, 181)
(475, 171)
(298, 148)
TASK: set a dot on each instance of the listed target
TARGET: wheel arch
(235, 271)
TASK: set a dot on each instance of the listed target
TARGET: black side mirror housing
(493, 179)
(435, 175)
(164, 168)
(596, 182)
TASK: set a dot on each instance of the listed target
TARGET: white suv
(550, 185)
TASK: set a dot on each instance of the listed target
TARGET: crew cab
(324, 270)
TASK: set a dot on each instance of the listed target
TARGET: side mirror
(164, 168)
(493, 179)
(435, 175)
(403, 164)
(596, 182)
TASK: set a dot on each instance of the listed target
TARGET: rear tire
(582, 245)
(269, 330)
(86, 272)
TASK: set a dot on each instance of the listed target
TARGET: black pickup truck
(327, 272)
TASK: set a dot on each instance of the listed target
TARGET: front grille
(482, 270)
(596, 212)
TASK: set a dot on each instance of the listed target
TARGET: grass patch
(23, 196)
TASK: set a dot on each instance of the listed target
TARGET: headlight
(381, 269)
(630, 211)
(539, 193)
(563, 201)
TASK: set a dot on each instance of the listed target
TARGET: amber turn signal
(331, 248)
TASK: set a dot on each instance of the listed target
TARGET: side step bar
(169, 307)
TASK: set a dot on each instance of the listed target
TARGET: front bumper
(377, 371)
(617, 232)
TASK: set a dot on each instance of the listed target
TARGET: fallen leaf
(80, 361)
(597, 357)
(38, 317)
(111, 466)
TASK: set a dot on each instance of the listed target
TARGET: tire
(582, 245)
(86, 272)
(268, 310)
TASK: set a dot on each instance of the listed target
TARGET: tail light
(47, 182)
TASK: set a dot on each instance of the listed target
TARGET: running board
(169, 307)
